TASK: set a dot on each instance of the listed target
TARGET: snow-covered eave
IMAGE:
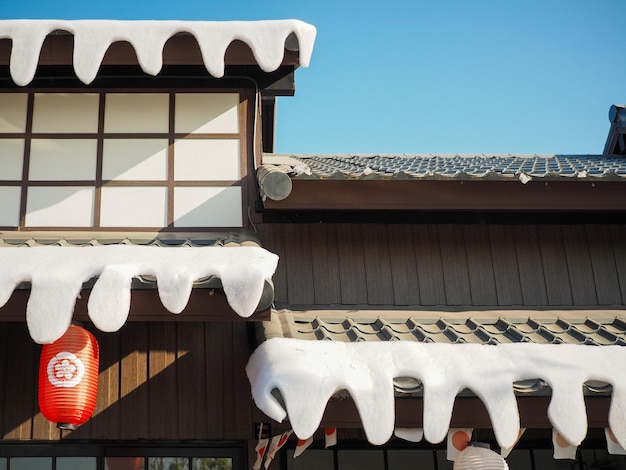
(57, 274)
(267, 40)
(309, 373)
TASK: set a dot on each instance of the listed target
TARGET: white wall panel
(207, 207)
(135, 159)
(10, 206)
(207, 112)
(59, 206)
(66, 113)
(62, 159)
(13, 112)
(11, 159)
(137, 112)
(206, 160)
(133, 207)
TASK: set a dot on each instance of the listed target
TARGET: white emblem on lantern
(65, 370)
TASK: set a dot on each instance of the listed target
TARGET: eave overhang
(87, 45)
(308, 373)
(451, 195)
(471, 372)
(443, 182)
(108, 282)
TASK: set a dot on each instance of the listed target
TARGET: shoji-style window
(112, 160)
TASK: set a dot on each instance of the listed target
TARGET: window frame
(244, 136)
(235, 450)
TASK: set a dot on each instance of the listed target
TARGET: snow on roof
(57, 273)
(92, 38)
(309, 373)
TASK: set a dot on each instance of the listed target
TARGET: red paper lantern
(68, 378)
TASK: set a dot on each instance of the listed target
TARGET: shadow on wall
(158, 380)
(202, 207)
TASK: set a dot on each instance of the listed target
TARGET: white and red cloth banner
(611, 443)
(458, 438)
(505, 451)
(302, 445)
(260, 449)
(330, 437)
(562, 448)
(275, 445)
(409, 434)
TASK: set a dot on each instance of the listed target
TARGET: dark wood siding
(448, 264)
(429, 267)
(403, 271)
(158, 380)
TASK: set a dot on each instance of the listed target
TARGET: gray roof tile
(473, 327)
(433, 166)
(8, 239)
(480, 327)
(94, 239)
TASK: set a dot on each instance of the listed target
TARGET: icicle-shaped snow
(92, 39)
(308, 373)
(57, 274)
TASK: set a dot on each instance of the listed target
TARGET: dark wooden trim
(204, 136)
(203, 305)
(246, 99)
(268, 113)
(64, 135)
(469, 412)
(178, 50)
(123, 230)
(97, 203)
(453, 195)
(246, 149)
(214, 183)
(126, 135)
(30, 104)
(90, 183)
(134, 183)
(12, 135)
(125, 183)
(130, 89)
(171, 161)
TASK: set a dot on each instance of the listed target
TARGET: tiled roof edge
(8, 238)
(505, 167)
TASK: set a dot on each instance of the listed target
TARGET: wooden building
(481, 249)
(139, 134)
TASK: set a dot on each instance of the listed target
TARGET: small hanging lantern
(68, 378)
(479, 458)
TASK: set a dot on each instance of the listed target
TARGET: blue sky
(448, 76)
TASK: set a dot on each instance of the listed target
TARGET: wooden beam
(469, 412)
(203, 305)
(179, 50)
(314, 194)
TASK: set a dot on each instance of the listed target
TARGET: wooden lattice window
(118, 160)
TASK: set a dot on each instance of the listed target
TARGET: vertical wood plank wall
(187, 380)
(448, 264)
(158, 380)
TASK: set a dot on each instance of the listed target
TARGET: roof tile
(434, 166)
(479, 327)
(476, 327)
